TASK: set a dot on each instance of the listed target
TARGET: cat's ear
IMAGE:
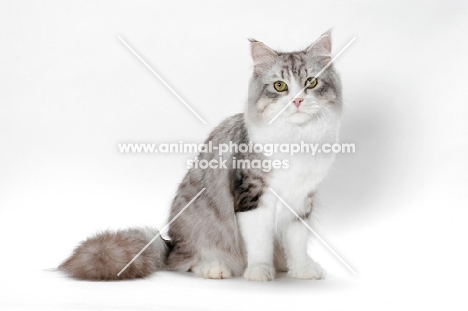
(322, 46)
(262, 56)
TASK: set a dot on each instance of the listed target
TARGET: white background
(70, 91)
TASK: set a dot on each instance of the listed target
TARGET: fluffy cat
(237, 226)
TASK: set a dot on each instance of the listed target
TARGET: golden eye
(311, 83)
(280, 86)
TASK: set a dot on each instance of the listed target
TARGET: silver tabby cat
(237, 226)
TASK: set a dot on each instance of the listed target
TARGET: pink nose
(298, 102)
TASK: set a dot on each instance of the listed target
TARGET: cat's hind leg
(219, 264)
(214, 269)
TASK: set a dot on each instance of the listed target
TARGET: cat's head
(279, 77)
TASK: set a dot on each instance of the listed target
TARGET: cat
(237, 226)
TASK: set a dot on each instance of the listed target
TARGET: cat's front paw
(260, 273)
(212, 270)
(308, 271)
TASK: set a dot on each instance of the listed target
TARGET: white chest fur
(305, 171)
(296, 183)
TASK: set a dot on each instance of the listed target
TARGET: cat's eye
(311, 83)
(280, 86)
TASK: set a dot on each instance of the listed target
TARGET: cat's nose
(298, 101)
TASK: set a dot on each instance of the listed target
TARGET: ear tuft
(262, 55)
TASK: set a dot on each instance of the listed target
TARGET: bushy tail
(103, 256)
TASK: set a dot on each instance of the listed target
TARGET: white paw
(260, 273)
(212, 270)
(308, 271)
